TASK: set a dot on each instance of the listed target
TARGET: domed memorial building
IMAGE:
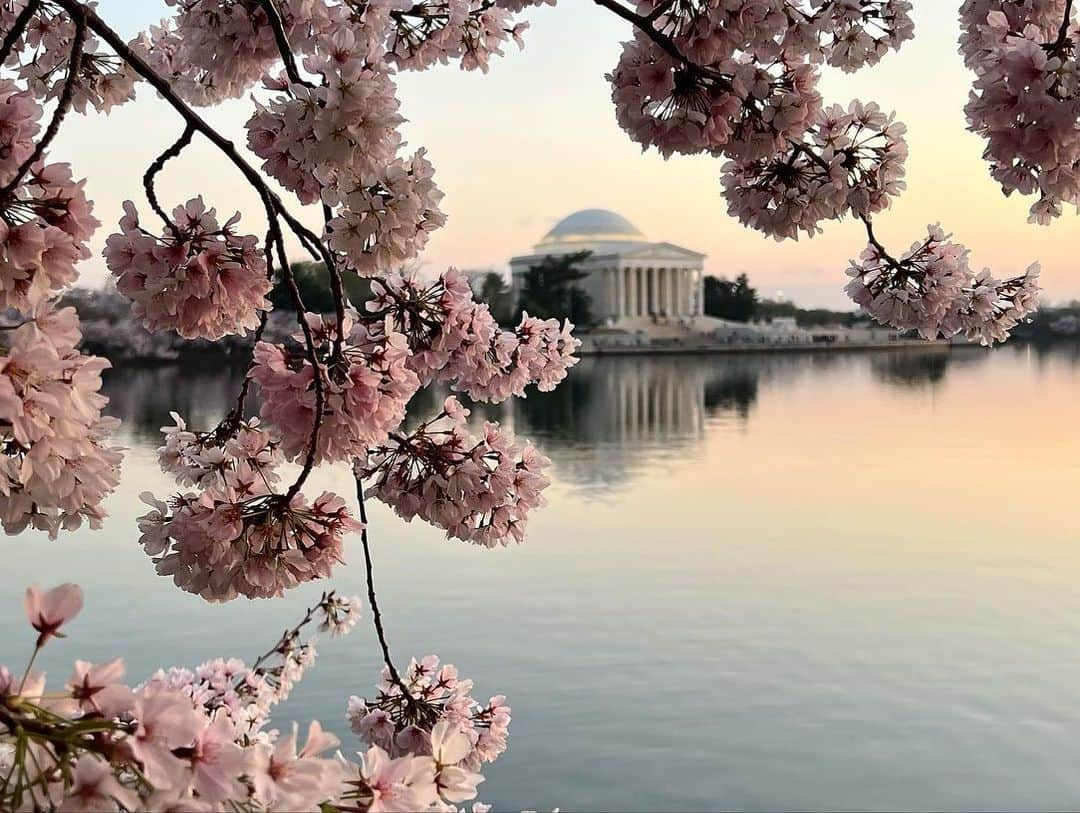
(633, 283)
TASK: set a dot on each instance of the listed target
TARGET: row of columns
(640, 291)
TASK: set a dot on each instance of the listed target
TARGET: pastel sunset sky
(536, 139)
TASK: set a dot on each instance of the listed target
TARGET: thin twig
(156, 167)
(375, 614)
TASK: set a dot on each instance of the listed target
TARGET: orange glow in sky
(536, 139)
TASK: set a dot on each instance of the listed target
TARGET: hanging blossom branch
(741, 82)
(197, 739)
(738, 81)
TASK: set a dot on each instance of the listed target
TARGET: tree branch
(28, 11)
(62, 106)
(156, 167)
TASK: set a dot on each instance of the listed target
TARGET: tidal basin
(833, 580)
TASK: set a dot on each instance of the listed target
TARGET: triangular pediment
(661, 251)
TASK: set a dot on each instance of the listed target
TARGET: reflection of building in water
(614, 417)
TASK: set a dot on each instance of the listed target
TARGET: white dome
(592, 226)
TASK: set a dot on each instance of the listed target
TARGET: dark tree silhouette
(736, 300)
(548, 290)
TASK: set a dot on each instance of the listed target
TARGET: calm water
(806, 581)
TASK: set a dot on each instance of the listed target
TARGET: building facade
(633, 283)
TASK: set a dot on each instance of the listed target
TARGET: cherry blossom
(853, 163)
(478, 489)
(244, 540)
(1026, 98)
(56, 465)
(49, 611)
(933, 290)
(403, 717)
(367, 385)
(199, 278)
(178, 743)
(455, 339)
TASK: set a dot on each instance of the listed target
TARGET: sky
(535, 139)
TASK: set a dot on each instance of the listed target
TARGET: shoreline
(590, 350)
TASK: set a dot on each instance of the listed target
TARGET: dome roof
(593, 226)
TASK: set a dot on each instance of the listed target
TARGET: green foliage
(808, 318)
(736, 301)
(548, 290)
(494, 293)
(314, 284)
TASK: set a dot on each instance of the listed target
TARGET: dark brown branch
(291, 634)
(17, 29)
(375, 614)
(1063, 32)
(316, 369)
(277, 25)
(198, 123)
(62, 106)
(338, 292)
(644, 24)
(872, 238)
(156, 167)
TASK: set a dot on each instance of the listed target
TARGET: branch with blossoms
(740, 81)
(326, 131)
(737, 80)
(198, 739)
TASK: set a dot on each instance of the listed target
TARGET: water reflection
(599, 427)
(814, 581)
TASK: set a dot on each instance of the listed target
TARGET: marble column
(662, 286)
(700, 309)
(673, 292)
(651, 299)
(620, 293)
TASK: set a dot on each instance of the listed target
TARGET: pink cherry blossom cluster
(199, 278)
(384, 220)
(403, 714)
(248, 694)
(737, 108)
(366, 382)
(309, 136)
(45, 225)
(932, 289)
(42, 57)
(56, 464)
(854, 163)
(437, 31)
(214, 50)
(196, 739)
(237, 449)
(242, 539)
(848, 34)
(455, 339)
(237, 535)
(1026, 97)
(45, 217)
(477, 489)
(737, 77)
